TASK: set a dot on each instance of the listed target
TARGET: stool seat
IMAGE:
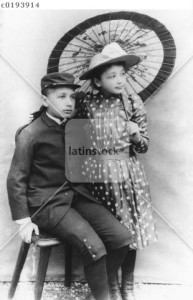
(45, 240)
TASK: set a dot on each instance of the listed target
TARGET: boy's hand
(26, 230)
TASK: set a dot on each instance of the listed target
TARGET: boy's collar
(57, 120)
(52, 121)
(49, 122)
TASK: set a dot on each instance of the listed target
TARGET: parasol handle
(125, 96)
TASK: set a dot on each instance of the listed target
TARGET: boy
(41, 195)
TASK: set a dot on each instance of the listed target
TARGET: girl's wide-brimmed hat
(111, 53)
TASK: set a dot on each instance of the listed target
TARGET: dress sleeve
(139, 117)
(18, 175)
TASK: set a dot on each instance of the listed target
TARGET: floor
(78, 291)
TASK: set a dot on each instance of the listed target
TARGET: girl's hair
(100, 70)
(38, 113)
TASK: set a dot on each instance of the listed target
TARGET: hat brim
(129, 60)
(51, 86)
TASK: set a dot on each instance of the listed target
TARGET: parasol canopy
(136, 33)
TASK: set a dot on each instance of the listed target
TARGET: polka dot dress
(117, 177)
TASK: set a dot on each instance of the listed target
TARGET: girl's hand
(132, 128)
(134, 132)
(26, 230)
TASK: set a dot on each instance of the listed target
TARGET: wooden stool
(45, 242)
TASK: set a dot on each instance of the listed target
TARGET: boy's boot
(114, 287)
(115, 259)
(96, 276)
(127, 286)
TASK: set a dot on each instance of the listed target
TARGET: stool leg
(41, 272)
(68, 265)
(18, 268)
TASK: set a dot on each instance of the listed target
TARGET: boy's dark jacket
(39, 168)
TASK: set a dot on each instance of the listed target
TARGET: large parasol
(136, 33)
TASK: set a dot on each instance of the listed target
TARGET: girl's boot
(115, 259)
(127, 288)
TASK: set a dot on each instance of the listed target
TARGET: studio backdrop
(35, 42)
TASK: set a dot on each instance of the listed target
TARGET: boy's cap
(111, 53)
(58, 79)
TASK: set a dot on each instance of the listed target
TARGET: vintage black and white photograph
(96, 154)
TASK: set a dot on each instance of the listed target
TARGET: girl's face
(112, 80)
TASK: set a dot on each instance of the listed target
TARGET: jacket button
(94, 255)
(89, 247)
(85, 240)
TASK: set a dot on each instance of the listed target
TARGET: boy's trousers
(91, 228)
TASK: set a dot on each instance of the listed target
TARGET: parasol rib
(129, 78)
(131, 87)
(69, 50)
(139, 37)
(87, 88)
(134, 22)
(151, 74)
(116, 29)
(70, 57)
(140, 84)
(149, 82)
(88, 36)
(157, 62)
(82, 84)
(145, 33)
(147, 45)
(123, 30)
(103, 31)
(72, 67)
(131, 27)
(134, 25)
(73, 63)
(109, 28)
(74, 45)
(152, 50)
(151, 67)
(78, 81)
(95, 33)
(76, 37)
(160, 35)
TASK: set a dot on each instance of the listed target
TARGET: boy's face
(60, 102)
(112, 80)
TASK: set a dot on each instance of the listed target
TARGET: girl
(115, 175)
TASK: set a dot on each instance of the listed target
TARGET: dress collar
(109, 96)
(100, 100)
